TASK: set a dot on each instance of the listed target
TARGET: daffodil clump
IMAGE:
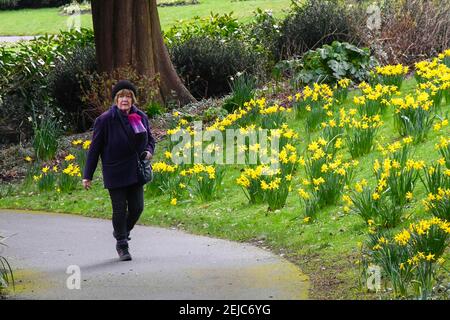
(205, 180)
(391, 75)
(273, 117)
(46, 178)
(435, 91)
(179, 128)
(373, 206)
(276, 188)
(413, 115)
(400, 150)
(191, 151)
(168, 179)
(70, 176)
(265, 184)
(430, 236)
(250, 182)
(194, 146)
(434, 78)
(361, 134)
(430, 71)
(374, 100)
(397, 179)
(310, 203)
(284, 135)
(444, 149)
(426, 71)
(247, 115)
(436, 176)
(287, 159)
(318, 153)
(252, 114)
(251, 149)
(252, 152)
(33, 169)
(80, 151)
(382, 251)
(340, 90)
(177, 120)
(327, 174)
(440, 124)
(445, 57)
(411, 258)
(274, 183)
(439, 203)
(334, 128)
(314, 104)
(155, 187)
(64, 179)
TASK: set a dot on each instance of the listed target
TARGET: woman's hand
(149, 156)
(87, 184)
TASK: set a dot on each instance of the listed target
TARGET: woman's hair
(134, 100)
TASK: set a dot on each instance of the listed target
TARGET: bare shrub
(98, 95)
(411, 30)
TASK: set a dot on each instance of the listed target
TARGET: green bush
(263, 34)
(213, 113)
(30, 62)
(215, 26)
(331, 63)
(206, 64)
(154, 109)
(312, 24)
(24, 76)
(65, 81)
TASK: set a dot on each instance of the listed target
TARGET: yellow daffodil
(69, 157)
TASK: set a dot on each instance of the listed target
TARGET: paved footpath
(45, 251)
(15, 38)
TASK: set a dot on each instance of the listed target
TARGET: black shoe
(122, 250)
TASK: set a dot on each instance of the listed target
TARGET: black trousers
(127, 204)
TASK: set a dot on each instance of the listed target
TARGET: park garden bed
(363, 176)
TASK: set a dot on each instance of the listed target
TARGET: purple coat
(111, 143)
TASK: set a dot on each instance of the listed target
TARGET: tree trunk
(128, 33)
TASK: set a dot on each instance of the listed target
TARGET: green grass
(41, 21)
(325, 249)
(27, 22)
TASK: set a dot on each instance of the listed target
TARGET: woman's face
(124, 101)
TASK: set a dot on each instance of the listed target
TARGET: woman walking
(120, 135)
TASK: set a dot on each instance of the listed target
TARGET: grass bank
(28, 22)
(326, 250)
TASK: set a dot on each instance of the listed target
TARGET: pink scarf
(136, 123)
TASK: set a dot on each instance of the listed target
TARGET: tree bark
(128, 33)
